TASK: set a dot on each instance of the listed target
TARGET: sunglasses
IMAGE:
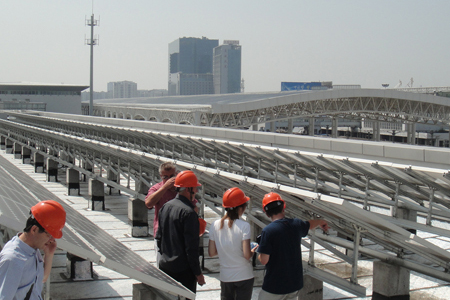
(165, 177)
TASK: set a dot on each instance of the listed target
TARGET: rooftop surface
(26, 86)
(109, 284)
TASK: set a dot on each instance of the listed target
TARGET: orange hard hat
(234, 197)
(186, 179)
(271, 197)
(202, 224)
(51, 215)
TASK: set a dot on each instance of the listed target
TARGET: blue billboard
(301, 86)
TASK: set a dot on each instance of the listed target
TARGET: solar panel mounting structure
(328, 172)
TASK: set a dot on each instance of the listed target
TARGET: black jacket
(178, 236)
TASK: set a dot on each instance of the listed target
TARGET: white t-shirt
(233, 266)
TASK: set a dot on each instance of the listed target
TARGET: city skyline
(346, 42)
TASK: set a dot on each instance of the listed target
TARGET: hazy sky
(347, 42)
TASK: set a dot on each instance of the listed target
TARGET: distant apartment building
(85, 96)
(191, 66)
(122, 89)
(227, 68)
(152, 93)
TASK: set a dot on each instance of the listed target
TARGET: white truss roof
(227, 103)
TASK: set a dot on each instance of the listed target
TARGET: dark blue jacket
(281, 239)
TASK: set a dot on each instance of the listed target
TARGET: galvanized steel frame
(372, 108)
(329, 172)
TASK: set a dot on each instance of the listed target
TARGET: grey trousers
(238, 290)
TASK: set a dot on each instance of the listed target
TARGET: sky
(347, 41)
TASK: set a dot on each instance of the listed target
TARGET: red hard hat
(234, 197)
(186, 179)
(202, 227)
(51, 215)
(271, 197)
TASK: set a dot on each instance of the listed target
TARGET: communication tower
(92, 42)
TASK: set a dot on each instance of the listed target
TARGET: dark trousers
(186, 278)
(238, 290)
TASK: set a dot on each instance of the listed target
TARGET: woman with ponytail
(229, 238)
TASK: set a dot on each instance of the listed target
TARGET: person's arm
(158, 236)
(212, 250)
(318, 223)
(265, 248)
(154, 196)
(49, 252)
(246, 248)
(263, 258)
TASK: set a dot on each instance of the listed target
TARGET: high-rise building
(191, 66)
(227, 68)
(122, 89)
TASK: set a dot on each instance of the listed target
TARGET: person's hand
(50, 247)
(201, 279)
(169, 183)
(254, 246)
(319, 223)
(324, 226)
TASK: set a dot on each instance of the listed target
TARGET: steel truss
(357, 108)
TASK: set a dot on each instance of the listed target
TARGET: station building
(62, 98)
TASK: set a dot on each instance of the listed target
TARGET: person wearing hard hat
(178, 234)
(279, 250)
(229, 237)
(23, 271)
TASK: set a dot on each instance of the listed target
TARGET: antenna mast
(91, 42)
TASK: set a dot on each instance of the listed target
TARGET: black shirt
(178, 236)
